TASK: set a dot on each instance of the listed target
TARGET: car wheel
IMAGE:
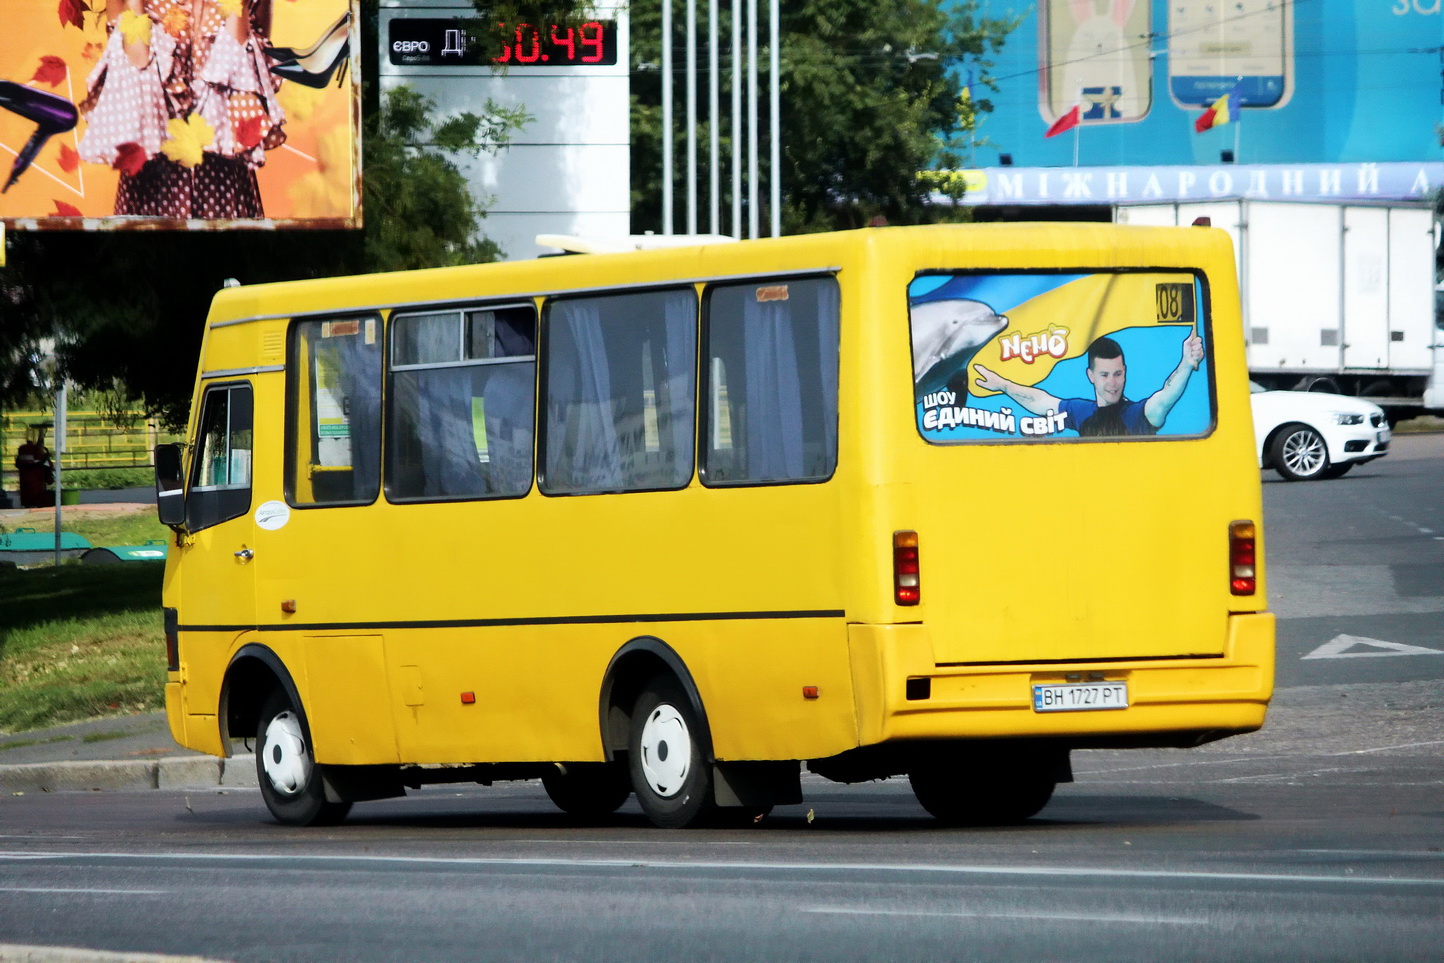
(1337, 469)
(669, 769)
(985, 799)
(286, 768)
(1299, 453)
(588, 790)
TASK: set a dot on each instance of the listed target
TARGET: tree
(871, 94)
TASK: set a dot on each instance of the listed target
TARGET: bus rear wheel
(286, 768)
(669, 769)
(588, 790)
(979, 799)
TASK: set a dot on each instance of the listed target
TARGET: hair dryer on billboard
(52, 115)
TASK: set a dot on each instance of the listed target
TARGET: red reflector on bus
(468, 698)
(809, 692)
(906, 569)
(1242, 553)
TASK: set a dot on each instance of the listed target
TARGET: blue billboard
(1347, 81)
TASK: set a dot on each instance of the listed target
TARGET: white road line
(300, 861)
(965, 914)
(82, 889)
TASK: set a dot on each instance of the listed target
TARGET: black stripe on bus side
(488, 623)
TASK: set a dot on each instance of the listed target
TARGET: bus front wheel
(286, 768)
(669, 769)
(956, 799)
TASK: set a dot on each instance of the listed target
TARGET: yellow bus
(943, 502)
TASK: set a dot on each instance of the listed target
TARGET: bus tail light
(171, 618)
(1242, 545)
(906, 585)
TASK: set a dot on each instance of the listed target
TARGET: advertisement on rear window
(1054, 357)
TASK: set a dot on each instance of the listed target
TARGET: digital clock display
(420, 41)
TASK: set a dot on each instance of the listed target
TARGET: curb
(174, 772)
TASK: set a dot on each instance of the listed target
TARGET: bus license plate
(1080, 697)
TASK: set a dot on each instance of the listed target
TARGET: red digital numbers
(595, 41)
(524, 45)
(569, 41)
(535, 55)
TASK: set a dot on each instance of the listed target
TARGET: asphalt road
(1318, 838)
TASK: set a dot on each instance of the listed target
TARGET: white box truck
(1336, 297)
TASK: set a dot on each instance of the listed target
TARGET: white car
(1305, 435)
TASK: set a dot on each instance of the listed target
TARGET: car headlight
(1344, 418)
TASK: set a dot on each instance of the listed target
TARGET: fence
(92, 440)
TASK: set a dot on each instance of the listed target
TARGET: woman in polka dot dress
(183, 103)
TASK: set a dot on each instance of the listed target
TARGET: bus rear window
(1060, 356)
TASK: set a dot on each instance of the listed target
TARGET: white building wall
(568, 170)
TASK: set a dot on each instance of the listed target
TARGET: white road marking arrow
(1339, 646)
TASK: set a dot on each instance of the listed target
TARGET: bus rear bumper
(902, 696)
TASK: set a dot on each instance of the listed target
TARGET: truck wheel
(669, 770)
(286, 768)
(983, 800)
(1299, 453)
(588, 790)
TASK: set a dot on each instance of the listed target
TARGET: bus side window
(221, 473)
(333, 435)
(618, 375)
(770, 392)
(461, 403)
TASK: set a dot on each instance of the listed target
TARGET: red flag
(1067, 122)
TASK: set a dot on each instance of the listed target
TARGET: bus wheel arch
(631, 670)
(253, 673)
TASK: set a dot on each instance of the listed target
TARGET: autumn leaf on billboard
(230, 8)
(51, 71)
(91, 51)
(189, 139)
(69, 159)
(129, 158)
(135, 27)
(63, 209)
(176, 21)
(72, 12)
(248, 133)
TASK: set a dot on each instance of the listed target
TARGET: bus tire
(588, 790)
(286, 768)
(955, 799)
(670, 772)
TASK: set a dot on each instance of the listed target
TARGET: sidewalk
(123, 752)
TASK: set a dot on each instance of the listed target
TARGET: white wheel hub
(666, 751)
(284, 755)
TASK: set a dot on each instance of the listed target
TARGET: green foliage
(79, 641)
(871, 93)
(108, 479)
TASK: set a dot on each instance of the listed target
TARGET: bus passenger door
(217, 594)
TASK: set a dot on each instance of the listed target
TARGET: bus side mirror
(170, 495)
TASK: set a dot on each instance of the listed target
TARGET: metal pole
(59, 451)
(774, 104)
(691, 116)
(753, 214)
(666, 116)
(737, 118)
(714, 175)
